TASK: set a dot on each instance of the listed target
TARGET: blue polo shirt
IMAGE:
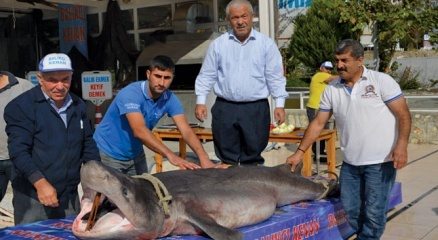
(114, 136)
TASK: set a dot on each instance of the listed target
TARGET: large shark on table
(206, 201)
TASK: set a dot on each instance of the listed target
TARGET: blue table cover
(323, 219)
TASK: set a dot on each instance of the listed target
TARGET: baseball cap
(55, 62)
(327, 64)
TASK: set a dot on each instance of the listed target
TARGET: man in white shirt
(374, 124)
(244, 67)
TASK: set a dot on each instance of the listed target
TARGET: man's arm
(193, 141)
(20, 140)
(140, 131)
(401, 111)
(310, 135)
(275, 80)
(205, 80)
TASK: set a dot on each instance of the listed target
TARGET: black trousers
(240, 130)
(28, 209)
(311, 114)
(5, 176)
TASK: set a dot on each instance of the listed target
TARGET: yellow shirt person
(318, 83)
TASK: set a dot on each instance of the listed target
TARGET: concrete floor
(416, 218)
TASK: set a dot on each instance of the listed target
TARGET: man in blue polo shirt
(137, 108)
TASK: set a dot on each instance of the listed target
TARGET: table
(326, 217)
(205, 134)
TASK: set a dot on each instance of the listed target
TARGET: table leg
(331, 153)
(182, 149)
(158, 158)
(307, 163)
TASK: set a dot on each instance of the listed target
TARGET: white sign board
(96, 86)
(32, 77)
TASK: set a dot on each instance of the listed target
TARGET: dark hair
(162, 63)
(350, 45)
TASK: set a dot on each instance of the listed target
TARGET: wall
(426, 67)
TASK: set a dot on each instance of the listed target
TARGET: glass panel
(155, 17)
(145, 39)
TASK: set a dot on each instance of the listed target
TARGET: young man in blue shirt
(129, 120)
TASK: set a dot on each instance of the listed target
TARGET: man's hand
(201, 112)
(210, 164)
(46, 193)
(181, 163)
(400, 157)
(294, 160)
(279, 115)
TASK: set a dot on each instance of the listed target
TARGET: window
(155, 17)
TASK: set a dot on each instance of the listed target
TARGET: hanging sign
(96, 86)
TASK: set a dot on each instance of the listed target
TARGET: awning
(187, 48)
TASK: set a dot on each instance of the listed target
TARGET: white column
(267, 17)
(267, 26)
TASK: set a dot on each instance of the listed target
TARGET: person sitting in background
(317, 85)
(49, 137)
(134, 112)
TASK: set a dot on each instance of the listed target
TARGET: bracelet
(299, 149)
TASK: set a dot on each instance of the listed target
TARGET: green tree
(315, 36)
(390, 21)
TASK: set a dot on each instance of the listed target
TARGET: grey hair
(350, 45)
(238, 3)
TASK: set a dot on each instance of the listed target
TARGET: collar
(252, 36)
(67, 101)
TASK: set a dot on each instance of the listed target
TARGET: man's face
(159, 81)
(349, 67)
(241, 21)
(56, 84)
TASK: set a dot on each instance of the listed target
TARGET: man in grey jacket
(10, 87)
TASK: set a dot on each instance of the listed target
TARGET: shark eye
(125, 191)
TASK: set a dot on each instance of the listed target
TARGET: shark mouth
(100, 218)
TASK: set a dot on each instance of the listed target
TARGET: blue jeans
(364, 194)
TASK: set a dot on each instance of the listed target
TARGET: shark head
(134, 210)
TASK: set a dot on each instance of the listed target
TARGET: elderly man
(49, 137)
(244, 67)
